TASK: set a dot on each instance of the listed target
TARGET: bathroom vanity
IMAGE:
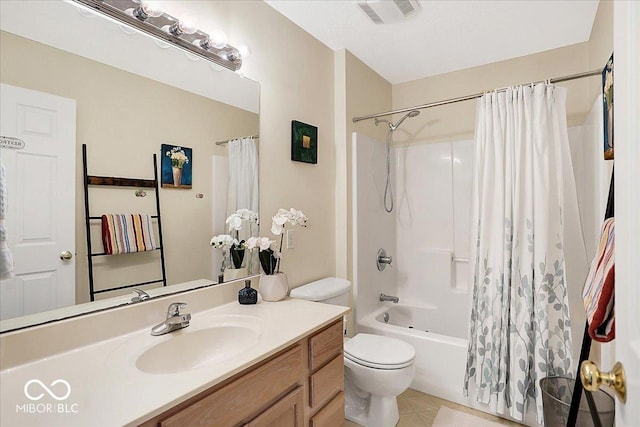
(303, 382)
(277, 363)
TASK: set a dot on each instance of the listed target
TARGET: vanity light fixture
(181, 33)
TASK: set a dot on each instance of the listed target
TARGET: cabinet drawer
(328, 381)
(331, 415)
(325, 345)
(249, 394)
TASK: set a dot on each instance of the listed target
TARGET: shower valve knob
(383, 260)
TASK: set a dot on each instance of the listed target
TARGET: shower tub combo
(441, 346)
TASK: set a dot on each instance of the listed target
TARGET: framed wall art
(304, 142)
(177, 166)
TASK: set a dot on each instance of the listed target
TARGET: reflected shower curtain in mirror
(523, 179)
(243, 175)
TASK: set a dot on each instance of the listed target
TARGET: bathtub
(441, 346)
(441, 351)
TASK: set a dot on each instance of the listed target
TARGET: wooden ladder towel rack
(119, 182)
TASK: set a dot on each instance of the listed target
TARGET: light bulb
(244, 50)
(218, 39)
(145, 11)
(187, 23)
(150, 10)
(179, 28)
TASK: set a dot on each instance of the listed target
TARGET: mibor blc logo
(37, 391)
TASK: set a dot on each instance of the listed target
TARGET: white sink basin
(189, 349)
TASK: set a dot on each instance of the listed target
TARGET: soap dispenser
(247, 295)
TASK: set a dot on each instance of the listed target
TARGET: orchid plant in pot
(274, 285)
(235, 221)
(224, 242)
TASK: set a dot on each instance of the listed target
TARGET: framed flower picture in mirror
(304, 142)
(177, 164)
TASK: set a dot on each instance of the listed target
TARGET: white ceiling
(444, 36)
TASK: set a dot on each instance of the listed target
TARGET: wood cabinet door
(287, 412)
(332, 415)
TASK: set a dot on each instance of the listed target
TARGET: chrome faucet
(140, 295)
(174, 321)
(391, 298)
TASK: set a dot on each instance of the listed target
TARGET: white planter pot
(273, 287)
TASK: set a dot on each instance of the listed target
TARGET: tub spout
(391, 298)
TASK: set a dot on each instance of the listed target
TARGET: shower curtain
(243, 175)
(523, 179)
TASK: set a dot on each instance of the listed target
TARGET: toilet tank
(331, 290)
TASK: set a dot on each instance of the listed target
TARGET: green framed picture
(304, 142)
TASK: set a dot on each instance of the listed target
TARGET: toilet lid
(379, 352)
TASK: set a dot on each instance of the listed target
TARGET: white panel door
(41, 200)
(626, 88)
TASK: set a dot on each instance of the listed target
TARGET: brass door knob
(592, 378)
(66, 255)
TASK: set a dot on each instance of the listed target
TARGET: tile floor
(419, 410)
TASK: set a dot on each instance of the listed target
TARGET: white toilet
(377, 368)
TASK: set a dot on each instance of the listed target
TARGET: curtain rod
(474, 96)
(225, 142)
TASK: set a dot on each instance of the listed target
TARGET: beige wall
(123, 118)
(457, 121)
(296, 73)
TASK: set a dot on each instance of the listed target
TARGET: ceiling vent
(387, 12)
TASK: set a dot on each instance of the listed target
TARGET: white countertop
(107, 389)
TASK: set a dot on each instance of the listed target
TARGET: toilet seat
(379, 352)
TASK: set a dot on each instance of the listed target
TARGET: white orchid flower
(263, 243)
(276, 229)
(292, 216)
(235, 222)
(235, 219)
(247, 214)
(223, 241)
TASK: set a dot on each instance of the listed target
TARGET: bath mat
(448, 417)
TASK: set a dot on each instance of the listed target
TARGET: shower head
(392, 126)
(412, 113)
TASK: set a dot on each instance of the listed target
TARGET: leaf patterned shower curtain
(519, 328)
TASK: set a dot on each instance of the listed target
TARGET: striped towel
(125, 233)
(598, 292)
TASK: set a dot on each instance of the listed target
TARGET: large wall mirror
(72, 77)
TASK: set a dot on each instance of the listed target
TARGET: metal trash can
(556, 401)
